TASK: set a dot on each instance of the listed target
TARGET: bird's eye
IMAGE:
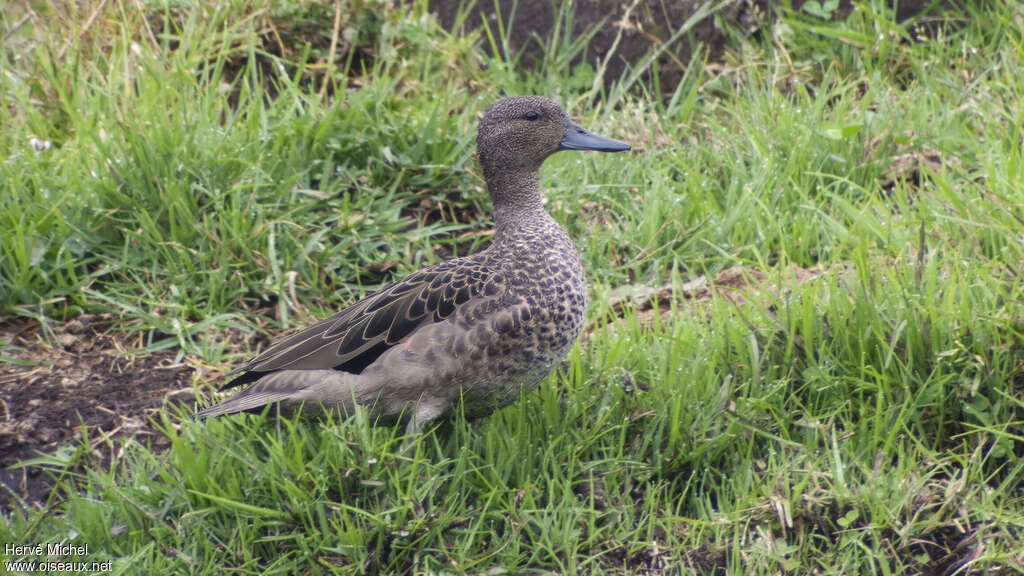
(531, 115)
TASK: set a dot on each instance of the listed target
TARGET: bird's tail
(287, 388)
(248, 400)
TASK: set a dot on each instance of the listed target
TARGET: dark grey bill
(577, 138)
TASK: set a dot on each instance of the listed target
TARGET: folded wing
(354, 338)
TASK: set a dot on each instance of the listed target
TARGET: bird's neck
(517, 186)
(515, 194)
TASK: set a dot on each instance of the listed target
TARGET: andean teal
(485, 328)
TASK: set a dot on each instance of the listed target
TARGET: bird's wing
(354, 338)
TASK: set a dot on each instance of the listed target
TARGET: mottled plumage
(482, 329)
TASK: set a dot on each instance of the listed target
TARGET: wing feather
(354, 337)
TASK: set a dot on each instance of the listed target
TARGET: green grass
(867, 421)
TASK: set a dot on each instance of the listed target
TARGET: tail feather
(275, 387)
(319, 389)
(289, 389)
(247, 400)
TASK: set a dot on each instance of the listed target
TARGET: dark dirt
(78, 377)
(626, 35)
(645, 26)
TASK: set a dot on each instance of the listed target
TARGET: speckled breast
(545, 276)
(560, 294)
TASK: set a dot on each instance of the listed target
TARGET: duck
(477, 332)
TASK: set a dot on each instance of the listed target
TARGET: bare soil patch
(51, 387)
